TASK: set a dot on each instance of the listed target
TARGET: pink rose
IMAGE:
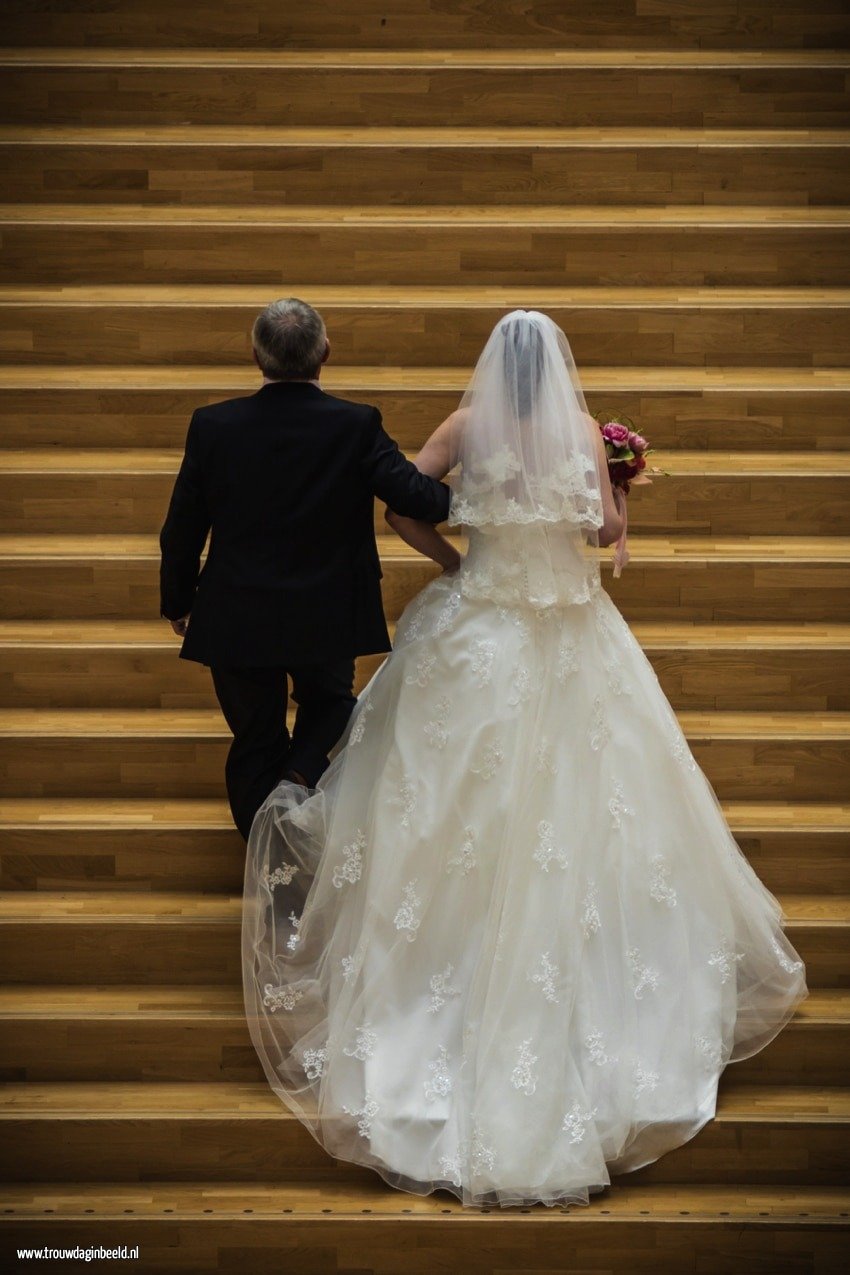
(616, 434)
(637, 442)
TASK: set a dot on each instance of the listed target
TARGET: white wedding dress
(530, 943)
(509, 944)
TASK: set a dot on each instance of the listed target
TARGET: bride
(508, 945)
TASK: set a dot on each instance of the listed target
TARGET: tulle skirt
(508, 945)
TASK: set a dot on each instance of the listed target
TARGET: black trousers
(254, 703)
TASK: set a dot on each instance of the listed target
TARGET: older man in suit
(284, 480)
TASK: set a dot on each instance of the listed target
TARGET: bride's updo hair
(525, 356)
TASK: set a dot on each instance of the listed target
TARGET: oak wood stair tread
(823, 1006)
(234, 1100)
(653, 635)
(528, 216)
(503, 137)
(168, 813)
(69, 907)
(728, 1205)
(689, 548)
(416, 59)
(714, 463)
(161, 722)
(428, 296)
(338, 379)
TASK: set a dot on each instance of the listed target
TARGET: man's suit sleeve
(397, 481)
(184, 533)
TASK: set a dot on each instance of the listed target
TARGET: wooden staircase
(671, 182)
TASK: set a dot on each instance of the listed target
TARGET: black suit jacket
(285, 479)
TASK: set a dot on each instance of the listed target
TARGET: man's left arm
(397, 481)
(184, 534)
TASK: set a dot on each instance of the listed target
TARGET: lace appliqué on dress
(546, 850)
(521, 686)
(281, 876)
(450, 1169)
(424, 671)
(483, 659)
(410, 628)
(646, 1081)
(594, 1043)
(789, 966)
(407, 917)
(523, 1076)
(617, 806)
(352, 865)
(576, 1121)
(660, 888)
(275, 998)
(441, 989)
(448, 615)
(568, 658)
(644, 978)
(364, 1115)
(724, 959)
(358, 730)
(600, 731)
(465, 859)
(590, 918)
(518, 620)
(364, 1045)
(545, 976)
(440, 1083)
(489, 761)
(711, 1053)
(295, 937)
(313, 1061)
(544, 760)
(407, 797)
(436, 731)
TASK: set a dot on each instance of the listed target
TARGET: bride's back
(535, 565)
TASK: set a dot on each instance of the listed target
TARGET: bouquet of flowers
(627, 451)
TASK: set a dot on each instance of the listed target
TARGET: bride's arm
(436, 458)
(612, 501)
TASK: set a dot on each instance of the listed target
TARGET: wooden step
(419, 24)
(719, 493)
(184, 844)
(305, 1225)
(548, 246)
(199, 1033)
(257, 166)
(431, 58)
(132, 664)
(480, 89)
(680, 578)
(420, 325)
(171, 753)
(773, 409)
(769, 1135)
(119, 937)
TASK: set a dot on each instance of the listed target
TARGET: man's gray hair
(289, 337)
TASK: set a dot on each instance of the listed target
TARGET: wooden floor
(671, 182)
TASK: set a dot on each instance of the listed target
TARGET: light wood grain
(479, 89)
(671, 182)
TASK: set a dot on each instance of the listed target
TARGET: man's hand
(451, 563)
(180, 626)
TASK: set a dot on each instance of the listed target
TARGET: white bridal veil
(528, 468)
(526, 451)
